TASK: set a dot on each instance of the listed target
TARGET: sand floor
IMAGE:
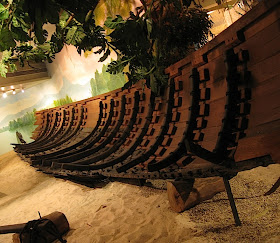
(121, 212)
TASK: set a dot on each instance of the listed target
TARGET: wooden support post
(185, 194)
(232, 203)
(273, 188)
(178, 193)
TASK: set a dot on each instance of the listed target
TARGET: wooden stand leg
(273, 188)
(232, 203)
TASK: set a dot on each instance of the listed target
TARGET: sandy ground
(126, 213)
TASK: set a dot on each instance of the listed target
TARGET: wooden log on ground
(183, 195)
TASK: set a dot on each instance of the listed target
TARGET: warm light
(14, 92)
(2, 88)
(12, 87)
(22, 91)
(49, 102)
(4, 95)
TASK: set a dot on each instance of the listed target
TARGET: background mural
(72, 77)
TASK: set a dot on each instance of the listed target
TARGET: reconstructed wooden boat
(219, 114)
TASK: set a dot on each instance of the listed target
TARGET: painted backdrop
(73, 75)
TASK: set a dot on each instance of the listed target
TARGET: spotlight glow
(22, 91)
(4, 95)
(14, 92)
(12, 87)
(2, 88)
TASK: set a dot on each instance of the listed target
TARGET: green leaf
(20, 20)
(118, 66)
(104, 57)
(63, 19)
(6, 39)
(6, 55)
(23, 48)
(154, 84)
(99, 51)
(15, 22)
(52, 12)
(70, 34)
(39, 27)
(46, 47)
(20, 35)
(3, 63)
(4, 13)
(113, 23)
(75, 35)
(3, 69)
(13, 67)
(149, 26)
(115, 67)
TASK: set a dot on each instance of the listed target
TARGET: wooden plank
(263, 128)
(265, 70)
(262, 45)
(258, 146)
(217, 90)
(262, 23)
(257, 12)
(217, 71)
(265, 105)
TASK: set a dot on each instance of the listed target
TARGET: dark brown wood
(58, 218)
(15, 228)
(60, 221)
(232, 202)
(273, 188)
(185, 194)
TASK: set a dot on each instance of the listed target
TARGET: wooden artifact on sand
(44, 230)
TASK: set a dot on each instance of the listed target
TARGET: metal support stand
(232, 203)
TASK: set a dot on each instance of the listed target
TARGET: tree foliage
(24, 38)
(158, 34)
(104, 82)
(26, 120)
(63, 101)
(4, 129)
